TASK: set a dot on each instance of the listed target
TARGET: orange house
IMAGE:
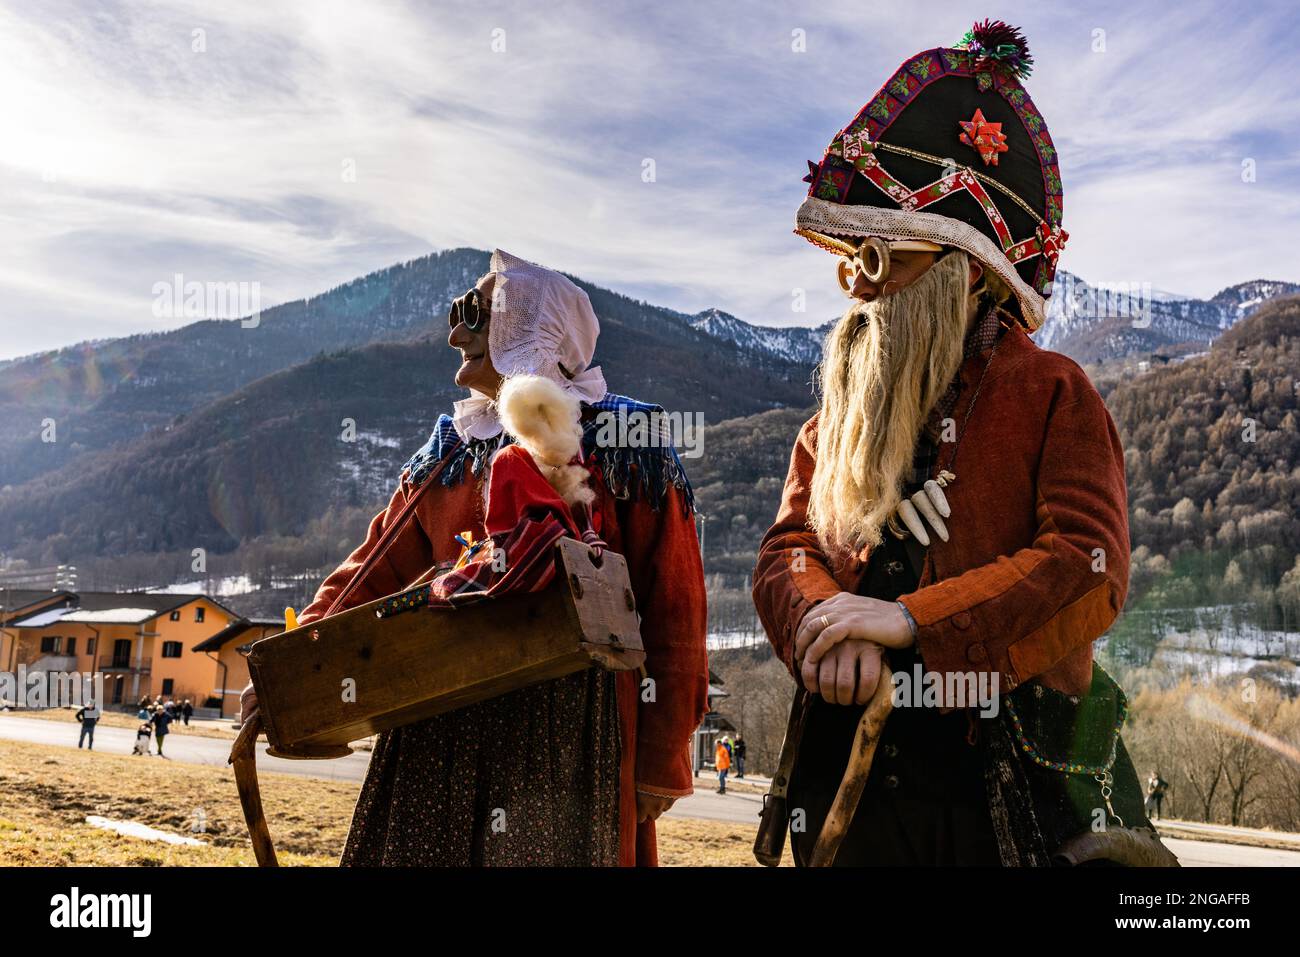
(226, 649)
(22, 603)
(141, 643)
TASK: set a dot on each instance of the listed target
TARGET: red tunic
(667, 576)
(1036, 568)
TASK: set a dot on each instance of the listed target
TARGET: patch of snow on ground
(142, 831)
(718, 640)
(230, 585)
(378, 438)
(1217, 646)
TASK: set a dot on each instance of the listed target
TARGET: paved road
(740, 808)
(735, 807)
(189, 749)
(1226, 830)
(1209, 854)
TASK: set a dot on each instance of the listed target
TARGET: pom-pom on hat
(951, 150)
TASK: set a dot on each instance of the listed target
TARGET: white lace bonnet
(540, 321)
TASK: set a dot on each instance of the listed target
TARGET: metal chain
(1105, 779)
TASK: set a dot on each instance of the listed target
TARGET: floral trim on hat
(832, 178)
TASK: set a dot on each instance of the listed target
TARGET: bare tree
(759, 694)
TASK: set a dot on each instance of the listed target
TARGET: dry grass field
(46, 793)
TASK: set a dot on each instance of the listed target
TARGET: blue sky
(128, 156)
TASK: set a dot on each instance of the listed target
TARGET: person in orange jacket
(722, 761)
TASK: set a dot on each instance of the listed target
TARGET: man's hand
(845, 616)
(650, 806)
(847, 674)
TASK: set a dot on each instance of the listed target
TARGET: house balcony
(57, 663)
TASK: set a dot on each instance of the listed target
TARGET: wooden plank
(423, 662)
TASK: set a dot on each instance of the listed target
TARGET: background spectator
(722, 760)
(89, 717)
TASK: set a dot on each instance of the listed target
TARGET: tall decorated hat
(951, 150)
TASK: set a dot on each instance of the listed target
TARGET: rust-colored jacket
(1036, 566)
(667, 577)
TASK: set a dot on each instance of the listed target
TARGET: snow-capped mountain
(1086, 322)
(796, 343)
(1241, 300)
(1092, 323)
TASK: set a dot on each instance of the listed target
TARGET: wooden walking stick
(865, 740)
(244, 758)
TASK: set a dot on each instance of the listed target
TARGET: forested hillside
(283, 439)
(331, 433)
(1213, 463)
(102, 395)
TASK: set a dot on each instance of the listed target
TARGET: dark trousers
(1153, 805)
(87, 731)
(924, 802)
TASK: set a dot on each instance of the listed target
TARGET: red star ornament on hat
(984, 137)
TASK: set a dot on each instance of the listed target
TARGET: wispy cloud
(135, 148)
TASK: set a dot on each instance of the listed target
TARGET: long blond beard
(886, 364)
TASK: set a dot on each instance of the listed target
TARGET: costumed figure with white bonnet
(572, 771)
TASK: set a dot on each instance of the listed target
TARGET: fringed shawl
(630, 469)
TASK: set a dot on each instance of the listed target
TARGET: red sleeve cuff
(666, 772)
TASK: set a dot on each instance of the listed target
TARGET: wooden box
(408, 662)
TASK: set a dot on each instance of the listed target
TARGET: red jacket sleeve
(384, 578)
(792, 573)
(1020, 614)
(663, 559)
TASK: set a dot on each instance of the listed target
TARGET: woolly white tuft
(545, 420)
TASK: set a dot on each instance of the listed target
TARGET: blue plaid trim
(443, 440)
(630, 471)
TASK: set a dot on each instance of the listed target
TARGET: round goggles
(872, 258)
(469, 309)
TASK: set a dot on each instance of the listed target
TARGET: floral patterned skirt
(527, 779)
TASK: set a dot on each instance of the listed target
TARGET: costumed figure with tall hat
(953, 533)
